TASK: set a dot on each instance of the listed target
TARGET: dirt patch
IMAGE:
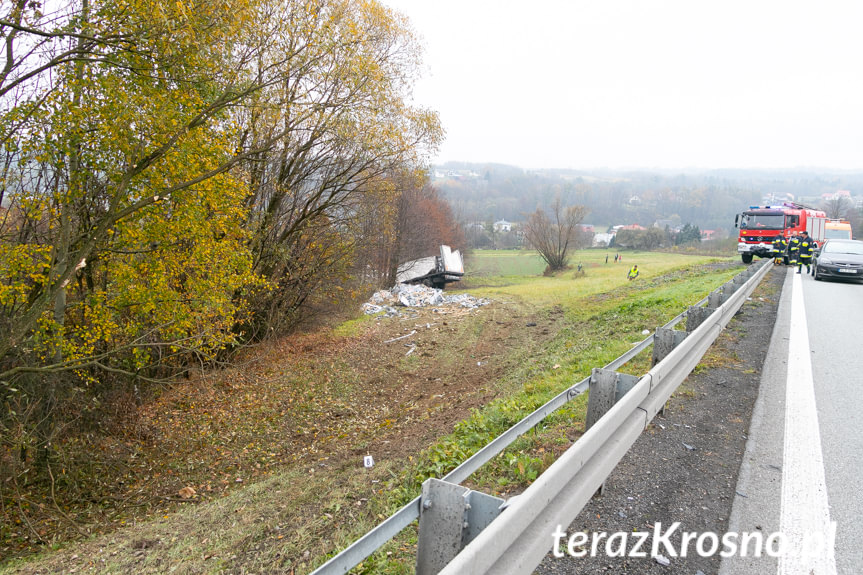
(408, 380)
(684, 467)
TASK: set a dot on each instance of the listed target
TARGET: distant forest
(708, 199)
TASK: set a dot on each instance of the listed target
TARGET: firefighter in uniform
(794, 250)
(806, 245)
(779, 247)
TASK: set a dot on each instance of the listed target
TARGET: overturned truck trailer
(433, 271)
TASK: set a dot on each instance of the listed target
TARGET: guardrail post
(695, 316)
(606, 389)
(716, 298)
(664, 341)
(451, 516)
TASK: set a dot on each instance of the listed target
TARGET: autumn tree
(228, 143)
(553, 234)
(346, 137)
(124, 253)
(176, 170)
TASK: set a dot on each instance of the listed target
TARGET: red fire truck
(759, 226)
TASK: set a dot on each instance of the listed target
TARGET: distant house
(634, 201)
(502, 226)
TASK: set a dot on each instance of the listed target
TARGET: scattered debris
(413, 296)
(401, 337)
(662, 560)
(689, 447)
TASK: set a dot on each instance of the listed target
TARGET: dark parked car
(839, 259)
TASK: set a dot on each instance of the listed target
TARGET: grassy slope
(605, 316)
(286, 521)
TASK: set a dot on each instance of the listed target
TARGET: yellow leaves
(22, 268)
(171, 277)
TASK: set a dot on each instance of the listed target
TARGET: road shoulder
(757, 501)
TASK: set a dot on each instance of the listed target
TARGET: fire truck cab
(760, 225)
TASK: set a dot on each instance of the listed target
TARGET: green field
(520, 273)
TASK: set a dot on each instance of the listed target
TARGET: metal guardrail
(517, 541)
(648, 393)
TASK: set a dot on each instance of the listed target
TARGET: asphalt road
(802, 468)
(834, 313)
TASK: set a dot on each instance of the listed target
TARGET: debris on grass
(413, 296)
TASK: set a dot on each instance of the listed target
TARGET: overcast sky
(644, 83)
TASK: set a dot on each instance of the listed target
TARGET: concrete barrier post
(695, 316)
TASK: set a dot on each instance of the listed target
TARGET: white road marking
(805, 515)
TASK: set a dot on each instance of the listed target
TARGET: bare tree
(838, 208)
(553, 235)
